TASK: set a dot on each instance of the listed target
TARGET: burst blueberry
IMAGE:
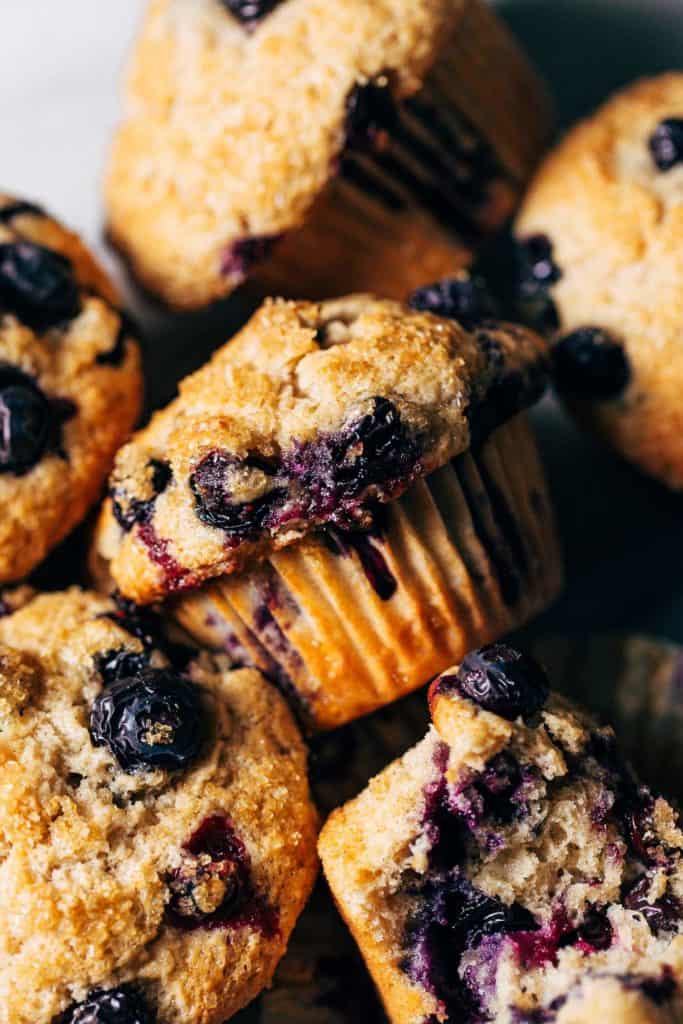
(465, 299)
(212, 487)
(120, 664)
(590, 363)
(502, 680)
(24, 422)
(123, 1005)
(666, 143)
(153, 720)
(37, 285)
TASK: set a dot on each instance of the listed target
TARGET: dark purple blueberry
(37, 285)
(123, 1005)
(595, 931)
(244, 254)
(120, 664)
(370, 110)
(661, 915)
(659, 990)
(213, 878)
(375, 448)
(212, 488)
(153, 720)
(250, 11)
(465, 299)
(666, 143)
(25, 422)
(502, 680)
(589, 363)
(535, 273)
(147, 626)
(130, 511)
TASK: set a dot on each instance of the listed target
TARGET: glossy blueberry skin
(590, 364)
(123, 1005)
(666, 143)
(25, 420)
(152, 720)
(248, 12)
(465, 299)
(37, 285)
(501, 680)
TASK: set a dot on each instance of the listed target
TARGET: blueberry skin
(590, 364)
(37, 285)
(123, 1005)
(24, 422)
(502, 680)
(153, 720)
(465, 299)
(666, 143)
(250, 11)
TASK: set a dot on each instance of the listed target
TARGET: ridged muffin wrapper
(634, 683)
(347, 623)
(440, 178)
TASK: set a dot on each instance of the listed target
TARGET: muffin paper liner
(634, 683)
(443, 170)
(348, 622)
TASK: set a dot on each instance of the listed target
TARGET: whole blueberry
(537, 269)
(465, 299)
(503, 680)
(250, 11)
(37, 285)
(666, 143)
(589, 363)
(123, 1005)
(152, 720)
(370, 109)
(120, 663)
(374, 448)
(24, 422)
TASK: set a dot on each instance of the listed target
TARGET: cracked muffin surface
(511, 867)
(313, 415)
(157, 839)
(599, 233)
(70, 383)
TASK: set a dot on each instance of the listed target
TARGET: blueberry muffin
(157, 839)
(346, 496)
(319, 148)
(511, 867)
(601, 260)
(634, 682)
(70, 384)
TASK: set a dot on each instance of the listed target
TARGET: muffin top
(311, 416)
(70, 383)
(601, 255)
(511, 867)
(236, 115)
(157, 839)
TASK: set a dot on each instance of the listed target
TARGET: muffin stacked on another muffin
(70, 384)
(322, 148)
(157, 838)
(511, 867)
(376, 463)
(601, 262)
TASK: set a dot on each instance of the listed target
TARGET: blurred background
(59, 82)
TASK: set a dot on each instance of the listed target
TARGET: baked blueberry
(220, 478)
(465, 298)
(120, 664)
(129, 511)
(666, 143)
(37, 285)
(502, 680)
(250, 11)
(123, 1005)
(24, 421)
(370, 110)
(535, 273)
(590, 363)
(153, 720)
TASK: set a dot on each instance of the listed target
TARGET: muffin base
(347, 623)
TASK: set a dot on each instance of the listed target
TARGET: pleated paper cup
(349, 622)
